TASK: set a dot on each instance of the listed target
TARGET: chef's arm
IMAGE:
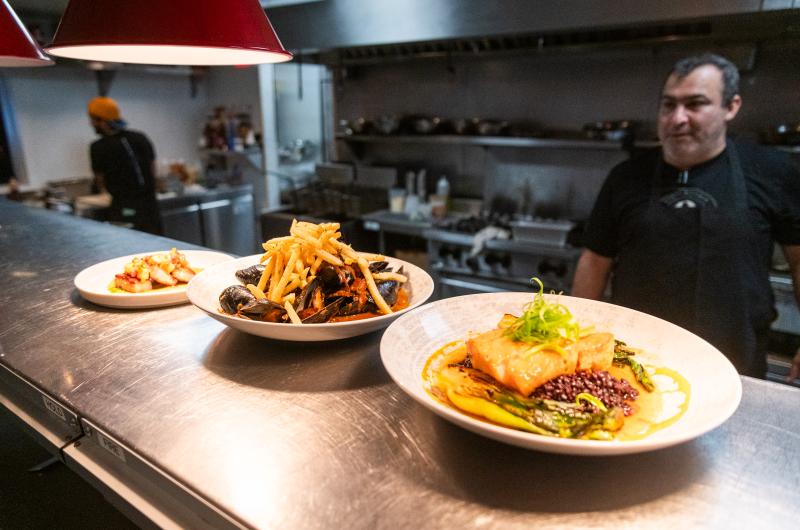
(792, 253)
(591, 275)
(100, 182)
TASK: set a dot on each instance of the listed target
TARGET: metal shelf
(512, 141)
(487, 141)
(520, 246)
(788, 148)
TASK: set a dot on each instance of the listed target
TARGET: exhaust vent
(519, 43)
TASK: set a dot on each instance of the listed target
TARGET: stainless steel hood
(383, 28)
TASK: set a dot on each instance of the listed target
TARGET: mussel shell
(388, 290)
(232, 297)
(354, 306)
(331, 278)
(264, 310)
(251, 274)
(326, 313)
(306, 296)
(378, 266)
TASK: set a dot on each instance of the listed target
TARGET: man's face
(97, 124)
(692, 120)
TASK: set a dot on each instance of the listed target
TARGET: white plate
(92, 282)
(205, 288)
(716, 388)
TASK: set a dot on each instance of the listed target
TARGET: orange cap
(104, 108)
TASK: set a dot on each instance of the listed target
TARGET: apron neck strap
(737, 181)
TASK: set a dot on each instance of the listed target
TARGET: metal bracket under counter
(49, 422)
(144, 493)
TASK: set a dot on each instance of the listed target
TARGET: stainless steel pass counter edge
(267, 434)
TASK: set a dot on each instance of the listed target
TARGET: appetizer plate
(92, 282)
(205, 288)
(715, 392)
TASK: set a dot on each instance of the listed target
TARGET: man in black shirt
(122, 161)
(686, 231)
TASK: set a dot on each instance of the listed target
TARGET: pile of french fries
(292, 261)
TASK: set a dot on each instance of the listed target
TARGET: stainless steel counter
(272, 434)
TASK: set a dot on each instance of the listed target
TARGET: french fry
(345, 250)
(306, 235)
(274, 242)
(255, 291)
(292, 313)
(389, 276)
(277, 271)
(291, 286)
(373, 289)
(262, 282)
(330, 258)
(277, 294)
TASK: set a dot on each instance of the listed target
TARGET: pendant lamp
(17, 48)
(177, 32)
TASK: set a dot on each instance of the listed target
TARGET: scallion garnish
(545, 323)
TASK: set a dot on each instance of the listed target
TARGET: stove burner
(474, 223)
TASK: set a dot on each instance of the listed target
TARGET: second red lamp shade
(182, 32)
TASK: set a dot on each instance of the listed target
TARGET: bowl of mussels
(336, 303)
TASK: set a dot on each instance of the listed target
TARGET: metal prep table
(185, 423)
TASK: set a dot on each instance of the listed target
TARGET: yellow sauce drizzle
(113, 289)
(652, 411)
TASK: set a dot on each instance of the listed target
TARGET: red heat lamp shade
(178, 32)
(17, 48)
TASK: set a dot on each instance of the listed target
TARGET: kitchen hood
(352, 31)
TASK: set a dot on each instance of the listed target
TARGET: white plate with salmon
(560, 374)
(146, 279)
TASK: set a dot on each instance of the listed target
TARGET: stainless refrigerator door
(183, 223)
(229, 225)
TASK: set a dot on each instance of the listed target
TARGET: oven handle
(474, 286)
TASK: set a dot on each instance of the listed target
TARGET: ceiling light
(17, 48)
(178, 32)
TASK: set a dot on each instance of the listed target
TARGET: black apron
(689, 261)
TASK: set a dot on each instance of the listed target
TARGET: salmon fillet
(512, 363)
(595, 351)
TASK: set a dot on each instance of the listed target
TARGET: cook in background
(122, 162)
(686, 231)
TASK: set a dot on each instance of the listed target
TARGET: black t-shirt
(125, 159)
(773, 196)
(732, 306)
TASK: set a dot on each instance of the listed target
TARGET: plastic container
(443, 187)
(421, 186)
(397, 200)
(547, 232)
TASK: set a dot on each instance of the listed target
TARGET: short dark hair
(730, 74)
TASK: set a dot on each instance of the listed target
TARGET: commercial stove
(493, 253)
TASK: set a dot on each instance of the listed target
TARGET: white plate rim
(546, 443)
(88, 283)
